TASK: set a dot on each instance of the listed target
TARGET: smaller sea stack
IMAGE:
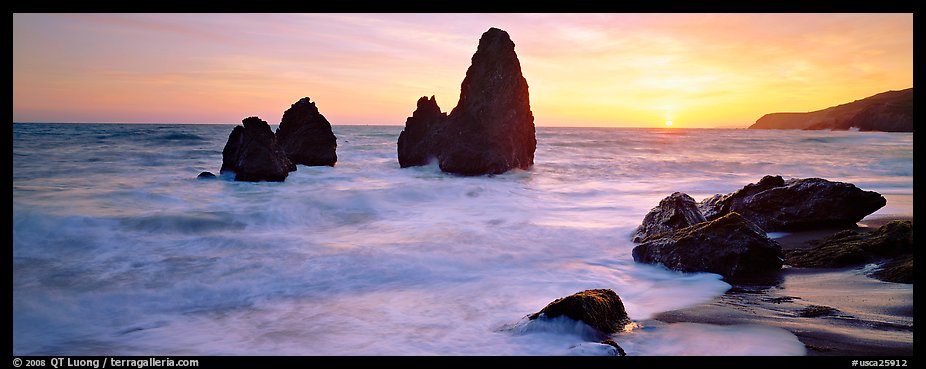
(252, 153)
(305, 135)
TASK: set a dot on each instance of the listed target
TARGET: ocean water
(119, 249)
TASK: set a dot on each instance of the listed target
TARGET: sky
(630, 70)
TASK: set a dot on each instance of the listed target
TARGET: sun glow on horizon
(582, 69)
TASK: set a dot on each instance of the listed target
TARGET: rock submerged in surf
(892, 242)
(601, 309)
(490, 131)
(674, 212)
(725, 234)
(604, 348)
(206, 175)
(775, 204)
(731, 246)
(305, 135)
(414, 147)
(253, 154)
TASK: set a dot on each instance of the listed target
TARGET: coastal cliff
(890, 111)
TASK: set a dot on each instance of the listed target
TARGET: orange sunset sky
(639, 70)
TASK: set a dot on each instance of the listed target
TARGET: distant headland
(890, 111)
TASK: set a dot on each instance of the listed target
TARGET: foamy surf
(118, 249)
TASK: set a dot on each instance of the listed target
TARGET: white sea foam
(118, 249)
(692, 339)
(774, 235)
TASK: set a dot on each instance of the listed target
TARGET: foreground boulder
(601, 309)
(490, 131)
(674, 212)
(306, 137)
(252, 153)
(775, 204)
(730, 246)
(892, 242)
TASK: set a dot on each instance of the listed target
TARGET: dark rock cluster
(254, 153)
(796, 204)
(725, 233)
(490, 131)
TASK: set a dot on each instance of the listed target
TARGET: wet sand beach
(840, 312)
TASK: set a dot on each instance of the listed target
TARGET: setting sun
(583, 69)
(399, 160)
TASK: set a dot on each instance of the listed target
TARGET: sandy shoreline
(832, 311)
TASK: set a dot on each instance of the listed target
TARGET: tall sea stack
(490, 131)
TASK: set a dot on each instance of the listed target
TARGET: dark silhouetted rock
(674, 212)
(730, 246)
(305, 135)
(205, 175)
(491, 129)
(253, 154)
(893, 240)
(415, 147)
(601, 309)
(796, 204)
(890, 111)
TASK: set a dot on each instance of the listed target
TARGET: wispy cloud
(585, 69)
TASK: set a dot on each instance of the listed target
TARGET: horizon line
(390, 125)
